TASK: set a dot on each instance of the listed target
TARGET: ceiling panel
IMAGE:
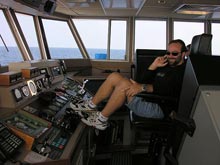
(121, 8)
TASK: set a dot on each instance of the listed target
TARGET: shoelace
(93, 116)
(76, 99)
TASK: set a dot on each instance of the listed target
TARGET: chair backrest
(201, 44)
(143, 58)
(200, 71)
(188, 92)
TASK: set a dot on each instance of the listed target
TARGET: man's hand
(158, 62)
(133, 89)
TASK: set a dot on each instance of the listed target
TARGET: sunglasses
(173, 53)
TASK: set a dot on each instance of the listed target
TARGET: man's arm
(158, 62)
(150, 72)
(136, 88)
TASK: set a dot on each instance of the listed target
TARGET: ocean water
(14, 55)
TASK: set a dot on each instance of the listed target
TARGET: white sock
(91, 104)
(102, 118)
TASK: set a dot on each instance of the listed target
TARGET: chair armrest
(157, 98)
(187, 123)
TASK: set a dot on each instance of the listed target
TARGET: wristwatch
(144, 87)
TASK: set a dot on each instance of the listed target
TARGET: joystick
(82, 90)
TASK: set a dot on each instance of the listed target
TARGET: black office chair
(162, 131)
(166, 134)
(201, 44)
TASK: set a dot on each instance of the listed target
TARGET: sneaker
(81, 105)
(84, 114)
(94, 121)
(81, 113)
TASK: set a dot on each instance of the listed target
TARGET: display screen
(56, 71)
(43, 71)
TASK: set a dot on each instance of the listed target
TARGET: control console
(53, 106)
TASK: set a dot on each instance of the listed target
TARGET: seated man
(164, 77)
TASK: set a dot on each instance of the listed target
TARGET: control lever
(44, 149)
(82, 90)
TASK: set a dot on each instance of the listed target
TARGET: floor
(135, 160)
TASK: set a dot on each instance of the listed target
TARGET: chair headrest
(201, 44)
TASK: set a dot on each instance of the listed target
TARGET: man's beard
(173, 62)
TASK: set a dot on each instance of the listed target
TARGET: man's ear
(183, 55)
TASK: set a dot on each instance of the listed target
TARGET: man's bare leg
(106, 89)
(114, 88)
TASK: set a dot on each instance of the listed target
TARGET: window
(60, 40)
(186, 30)
(27, 25)
(215, 38)
(150, 34)
(95, 37)
(9, 51)
(118, 40)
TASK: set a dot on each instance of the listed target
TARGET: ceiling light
(193, 12)
(196, 9)
(161, 1)
(76, 1)
(80, 1)
(125, 4)
(84, 5)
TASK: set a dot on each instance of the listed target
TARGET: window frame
(12, 25)
(35, 27)
(109, 35)
(152, 19)
(72, 30)
(217, 22)
(188, 20)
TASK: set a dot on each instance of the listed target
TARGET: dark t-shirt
(166, 81)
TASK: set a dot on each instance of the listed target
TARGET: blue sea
(14, 55)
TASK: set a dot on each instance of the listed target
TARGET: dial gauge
(32, 87)
(25, 90)
(39, 84)
(17, 94)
